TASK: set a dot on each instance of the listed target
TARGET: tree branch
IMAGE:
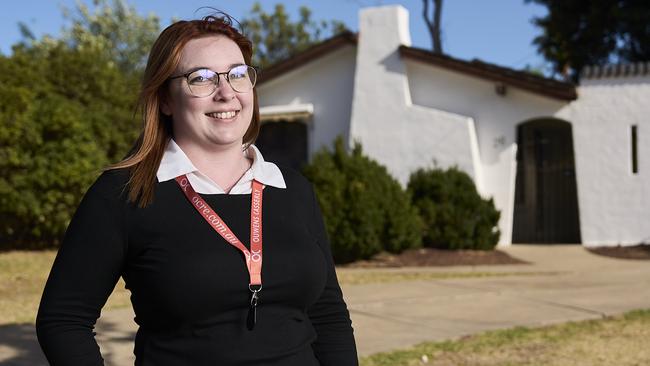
(433, 25)
(437, 13)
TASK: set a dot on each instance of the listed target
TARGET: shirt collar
(175, 163)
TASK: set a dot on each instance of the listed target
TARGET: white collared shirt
(175, 163)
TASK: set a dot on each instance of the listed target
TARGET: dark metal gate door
(546, 202)
(284, 143)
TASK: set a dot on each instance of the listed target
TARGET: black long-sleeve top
(189, 287)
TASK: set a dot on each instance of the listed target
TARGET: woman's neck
(225, 165)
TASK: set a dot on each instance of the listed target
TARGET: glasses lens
(202, 82)
(242, 78)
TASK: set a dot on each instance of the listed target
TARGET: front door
(546, 202)
(284, 143)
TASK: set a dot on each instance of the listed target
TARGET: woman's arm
(83, 275)
(335, 345)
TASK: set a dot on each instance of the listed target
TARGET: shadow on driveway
(19, 345)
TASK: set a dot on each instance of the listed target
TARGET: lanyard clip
(254, 299)
(255, 288)
(252, 310)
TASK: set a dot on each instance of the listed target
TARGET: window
(635, 158)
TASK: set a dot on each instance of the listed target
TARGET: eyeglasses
(203, 82)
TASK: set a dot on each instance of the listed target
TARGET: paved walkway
(567, 283)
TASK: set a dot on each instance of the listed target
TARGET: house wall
(408, 113)
(614, 203)
(327, 83)
(391, 129)
(496, 119)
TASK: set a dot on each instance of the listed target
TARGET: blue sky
(496, 31)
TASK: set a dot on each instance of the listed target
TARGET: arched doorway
(284, 143)
(546, 201)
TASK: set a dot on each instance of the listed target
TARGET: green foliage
(453, 213)
(67, 111)
(365, 209)
(577, 33)
(116, 28)
(275, 37)
(111, 26)
(67, 107)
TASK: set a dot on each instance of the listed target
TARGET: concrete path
(576, 285)
(562, 283)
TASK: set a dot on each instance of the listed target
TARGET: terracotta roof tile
(613, 71)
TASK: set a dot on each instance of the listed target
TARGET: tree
(578, 33)
(634, 30)
(67, 111)
(433, 23)
(113, 26)
(61, 121)
(116, 27)
(275, 37)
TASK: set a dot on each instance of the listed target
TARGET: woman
(175, 218)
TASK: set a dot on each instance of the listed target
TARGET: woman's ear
(165, 105)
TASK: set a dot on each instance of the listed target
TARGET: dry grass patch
(363, 277)
(622, 340)
(22, 278)
(23, 275)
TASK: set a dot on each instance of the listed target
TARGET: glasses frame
(218, 78)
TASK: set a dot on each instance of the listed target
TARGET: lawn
(622, 340)
(368, 276)
(23, 275)
(22, 278)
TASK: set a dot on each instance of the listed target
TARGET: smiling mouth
(223, 115)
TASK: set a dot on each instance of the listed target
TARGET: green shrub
(65, 114)
(365, 209)
(453, 213)
(66, 111)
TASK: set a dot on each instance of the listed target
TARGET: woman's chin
(226, 141)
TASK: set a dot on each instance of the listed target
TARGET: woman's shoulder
(293, 179)
(110, 184)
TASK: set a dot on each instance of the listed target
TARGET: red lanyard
(254, 256)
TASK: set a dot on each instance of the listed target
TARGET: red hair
(164, 57)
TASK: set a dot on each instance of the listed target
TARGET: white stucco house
(564, 163)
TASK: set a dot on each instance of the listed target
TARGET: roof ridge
(328, 45)
(522, 79)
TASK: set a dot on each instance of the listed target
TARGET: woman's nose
(224, 90)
